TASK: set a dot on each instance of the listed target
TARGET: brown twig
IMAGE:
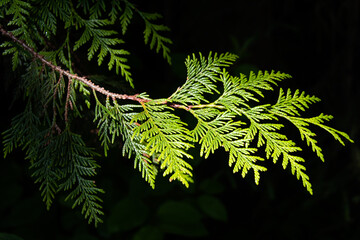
(40, 72)
(70, 75)
(54, 125)
(84, 80)
(68, 99)
(57, 85)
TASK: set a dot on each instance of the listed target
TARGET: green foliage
(77, 163)
(201, 78)
(59, 162)
(38, 21)
(166, 138)
(230, 112)
(114, 121)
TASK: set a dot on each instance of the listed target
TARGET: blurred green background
(317, 42)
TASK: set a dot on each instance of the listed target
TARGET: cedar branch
(84, 80)
(70, 75)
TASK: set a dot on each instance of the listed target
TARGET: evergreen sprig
(37, 22)
(230, 112)
(165, 137)
(202, 75)
(152, 33)
(102, 41)
(114, 120)
(76, 165)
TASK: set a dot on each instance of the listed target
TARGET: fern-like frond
(77, 164)
(45, 170)
(142, 160)
(26, 132)
(97, 9)
(157, 39)
(104, 42)
(261, 81)
(60, 8)
(47, 17)
(307, 135)
(126, 17)
(277, 145)
(202, 74)
(114, 121)
(114, 10)
(222, 131)
(238, 91)
(19, 14)
(153, 32)
(288, 107)
(234, 95)
(338, 135)
(20, 11)
(290, 103)
(107, 124)
(166, 138)
(23, 129)
(15, 51)
(132, 145)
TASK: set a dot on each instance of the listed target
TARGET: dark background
(317, 42)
